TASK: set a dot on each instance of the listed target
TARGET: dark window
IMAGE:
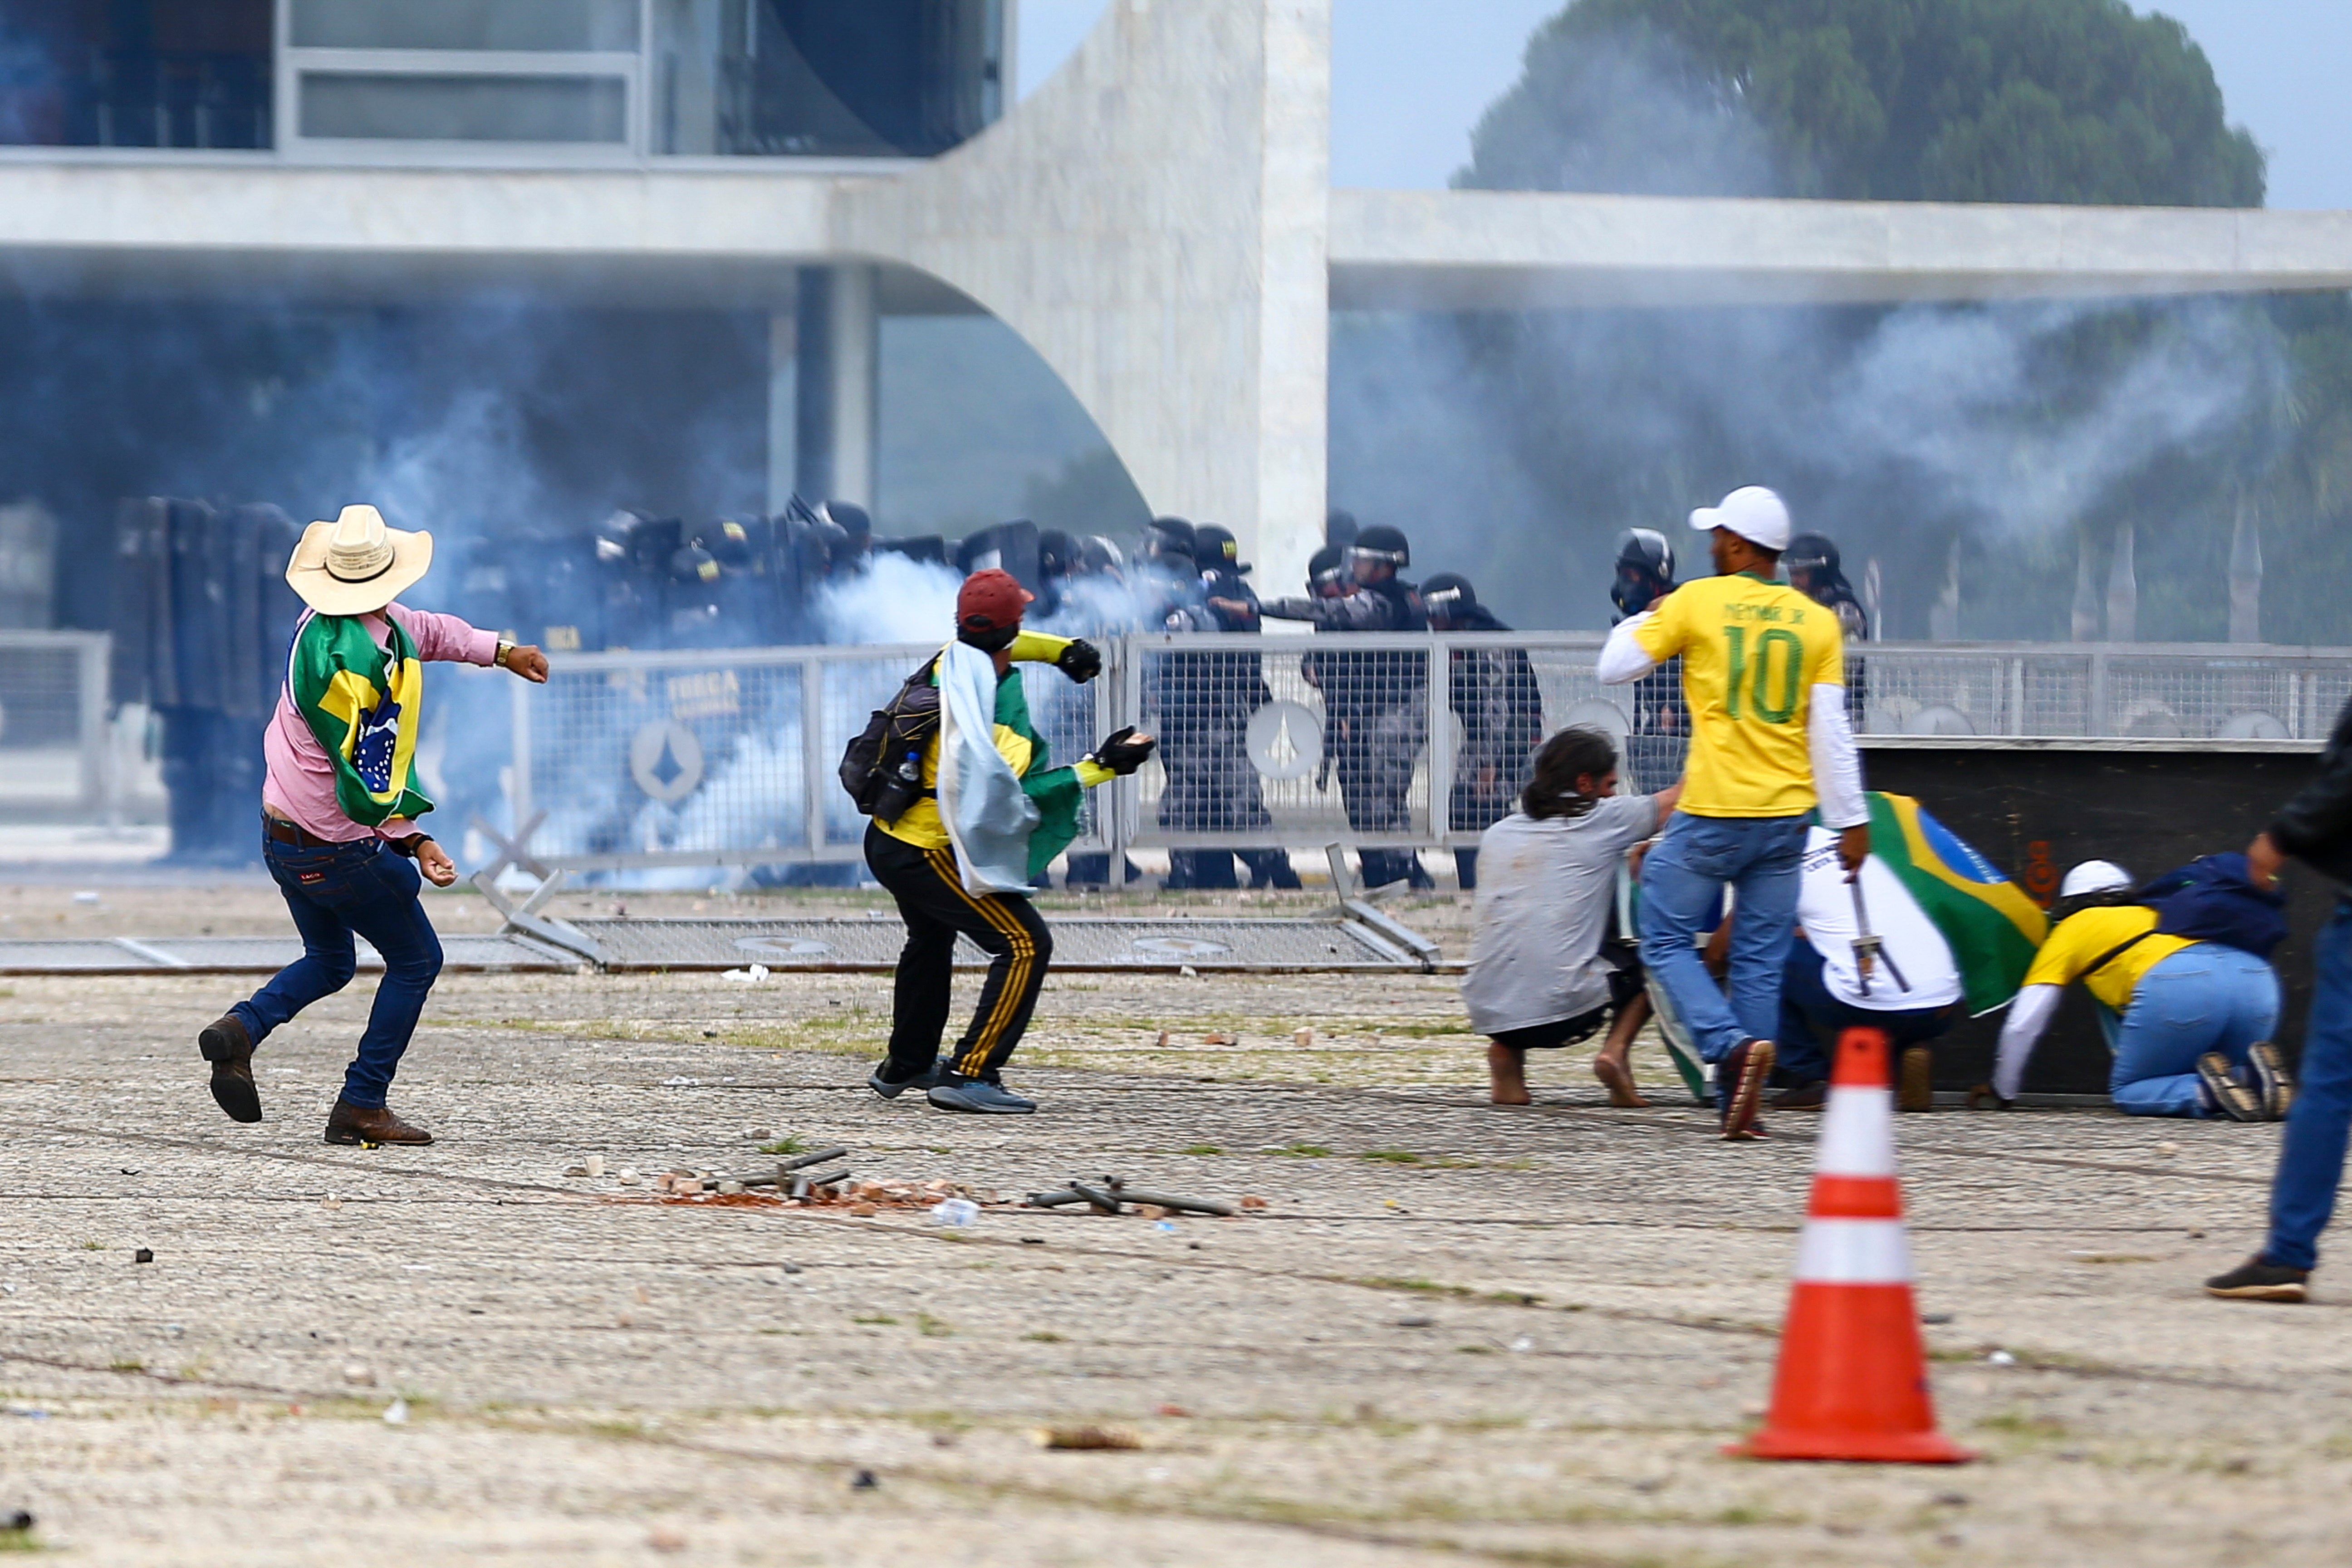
(135, 73)
(418, 108)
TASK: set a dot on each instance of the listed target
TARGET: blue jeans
(1681, 882)
(2203, 998)
(368, 888)
(2311, 1159)
(1810, 1014)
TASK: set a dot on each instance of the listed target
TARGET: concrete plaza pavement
(1454, 1334)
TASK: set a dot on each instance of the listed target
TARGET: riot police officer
(1660, 729)
(1812, 563)
(1374, 704)
(1494, 691)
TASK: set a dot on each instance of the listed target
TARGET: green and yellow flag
(1991, 927)
(364, 704)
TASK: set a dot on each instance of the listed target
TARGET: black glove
(1122, 754)
(1081, 661)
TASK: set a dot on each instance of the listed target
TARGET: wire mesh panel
(52, 718)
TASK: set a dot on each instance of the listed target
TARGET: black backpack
(882, 768)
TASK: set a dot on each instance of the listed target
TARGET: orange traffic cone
(1853, 1380)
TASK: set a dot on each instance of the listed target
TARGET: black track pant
(935, 906)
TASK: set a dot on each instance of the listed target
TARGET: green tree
(2174, 417)
(1968, 100)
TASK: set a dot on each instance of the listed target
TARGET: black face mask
(1635, 591)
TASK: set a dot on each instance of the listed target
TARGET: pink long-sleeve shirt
(301, 782)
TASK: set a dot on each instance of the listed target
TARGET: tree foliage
(1967, 101)
(2025, 437)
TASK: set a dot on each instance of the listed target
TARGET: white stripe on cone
(1854, 1252)
(1857, 1134)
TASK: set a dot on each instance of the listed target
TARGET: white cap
(1753, 512)
(2094, 876)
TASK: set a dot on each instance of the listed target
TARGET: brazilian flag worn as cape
(363, 702)
(1991, 927)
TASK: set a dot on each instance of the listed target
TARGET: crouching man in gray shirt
(1547, 967)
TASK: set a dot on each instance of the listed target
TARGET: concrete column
(784, 406)
(837, 384)
(1155, 220)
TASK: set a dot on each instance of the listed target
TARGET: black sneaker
(2223, 1093)
(889, 1087)
(2255, 1280)
(1803, 1097)
(2272, 1085)
(1739, 1084)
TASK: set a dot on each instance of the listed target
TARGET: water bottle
(956, 1214)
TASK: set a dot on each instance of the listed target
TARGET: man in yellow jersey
(916, 856)
(1764, 676)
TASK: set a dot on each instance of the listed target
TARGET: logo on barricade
(666, 760)
(1286, 739)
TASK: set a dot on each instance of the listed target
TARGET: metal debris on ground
(1111, 1195)
(144, 1254)
(1088, 1439)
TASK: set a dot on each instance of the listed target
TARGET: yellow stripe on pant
(1016, 976)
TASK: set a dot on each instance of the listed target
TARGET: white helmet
(2095, 877)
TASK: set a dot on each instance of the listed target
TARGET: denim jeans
(2203, 998)
(368, 888)
(2311, 1159)
(1681, 880)
(1811, 1015)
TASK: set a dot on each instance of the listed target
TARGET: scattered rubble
(1111, 1195)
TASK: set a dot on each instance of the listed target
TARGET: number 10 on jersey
(1774, 697)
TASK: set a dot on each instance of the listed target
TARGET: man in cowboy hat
(339, 810)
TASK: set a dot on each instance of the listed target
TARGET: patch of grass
(20, 1541)
(933, 1328)
(1288, 1152)
(1473, 1350)
(1418, 1287)
(2023, 1424)
(93, 1247)
(878, 1319)
(1045, 1337)
(126, 1364)
(1200, 1149)
(621, 1430)
(1390, 1156)
(795, 1144)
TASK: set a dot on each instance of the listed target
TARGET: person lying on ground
(2189, 1022)
(338, 810)
(1546, 969)
(1930, 933)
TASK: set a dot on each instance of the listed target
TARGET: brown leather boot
(226, 1044)
(350, 1124)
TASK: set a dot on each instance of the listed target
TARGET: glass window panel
(464, 108)
(557, 24)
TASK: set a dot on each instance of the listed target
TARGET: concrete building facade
(1156, 220)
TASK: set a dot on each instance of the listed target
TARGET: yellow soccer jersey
(2081, 940)
(1752, 652)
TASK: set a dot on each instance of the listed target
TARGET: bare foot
(1506, 1074)
(1618, 1079)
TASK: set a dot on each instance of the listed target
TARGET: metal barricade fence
(53, 723)
(1373, 740)
(728, 757)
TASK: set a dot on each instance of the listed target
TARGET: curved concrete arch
(1153, 221)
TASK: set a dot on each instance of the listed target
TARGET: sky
(1409, 78)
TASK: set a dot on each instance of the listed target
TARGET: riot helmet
(1339, 528)
(1811, 563)
(1216, 548)
(1448, 597)
(1057, 553)
(1098, 557)
(1170, 542)
(1376, 547)
(1645, 570)
(1326, 574)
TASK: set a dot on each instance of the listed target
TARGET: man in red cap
(914, 855)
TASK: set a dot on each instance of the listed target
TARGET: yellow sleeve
(1014, 748)
(1826, 663)
(1091, 773)
(1038, 648)
(2061, 957)
(1666, 631)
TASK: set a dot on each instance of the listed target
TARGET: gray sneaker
(979, 1095)
(2267, 1067)
(892, 1088)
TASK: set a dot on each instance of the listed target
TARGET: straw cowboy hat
(355, 566)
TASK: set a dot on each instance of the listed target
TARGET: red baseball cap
(991, 601)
